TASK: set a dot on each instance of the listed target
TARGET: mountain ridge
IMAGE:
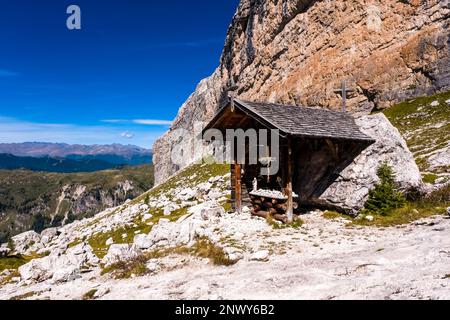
(39, 149)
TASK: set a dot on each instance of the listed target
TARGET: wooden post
(290, 201)
(238, 187)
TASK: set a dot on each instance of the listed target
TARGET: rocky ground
(324, 259)
(181, 240)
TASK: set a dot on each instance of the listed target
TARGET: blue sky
(120, 79)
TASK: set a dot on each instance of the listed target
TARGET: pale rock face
(262, 255)
(142, 241)
(435, 104)
(120, 252)
(59, 267)
(440, 158)
(298, 52)
(48, 234)
(184, 231)
(186, 194)
(109, 242)
(26, 242)
(351, 189)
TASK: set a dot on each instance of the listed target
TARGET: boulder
(36, 270)
(26, 242)
(4, 252)
(48, 235)
(186, 194)
(171, 207)
(59, 266)
(147, 217)
(66, 274)
(262, 255)
(234, 254)
(120, 252)
(435, 103)
(142, 241)
(109, 242)
(211, 211)
(350, 191)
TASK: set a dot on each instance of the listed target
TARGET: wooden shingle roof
(301, 121)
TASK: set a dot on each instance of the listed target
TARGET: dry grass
(203, 248)
(24, 296)
(89, 295)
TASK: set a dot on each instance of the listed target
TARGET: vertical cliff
(299, 52)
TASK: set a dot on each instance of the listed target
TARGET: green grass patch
(296, 224)
(425, 128)
(433, 204)
(331, 215)
(24, 296)
(13, 263)
(89, 295)
(410, 213)
(429, 178)
(203, 248)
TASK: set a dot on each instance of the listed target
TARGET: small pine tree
(385, 197)
(147, 199)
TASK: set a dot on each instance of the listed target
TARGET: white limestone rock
(26, 242)
(435, 103)
(59, 266)
(120, 252)
(262, 255)
(109, 242)
(48, 235)
(142, 241)
(186, 194)
(440, 158)
(350, 191)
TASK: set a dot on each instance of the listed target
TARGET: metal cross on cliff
(343, 91)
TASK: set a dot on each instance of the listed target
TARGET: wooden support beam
(238, 187)
(288, 191)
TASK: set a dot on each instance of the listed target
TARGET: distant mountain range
(65, 158)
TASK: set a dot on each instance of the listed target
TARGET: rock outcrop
(350, 191)
(299, 52)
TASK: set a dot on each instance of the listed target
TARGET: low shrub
(385, 197)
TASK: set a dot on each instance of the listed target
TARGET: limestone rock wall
(299, 52)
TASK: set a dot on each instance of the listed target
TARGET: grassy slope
(425, 128)
(189, 177)
(22, 192)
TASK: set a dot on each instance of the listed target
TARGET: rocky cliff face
(299, 52)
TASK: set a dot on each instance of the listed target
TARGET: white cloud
(15, 130)
(146, 122)
(127, 135)
(113, 121)
(152, 122)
